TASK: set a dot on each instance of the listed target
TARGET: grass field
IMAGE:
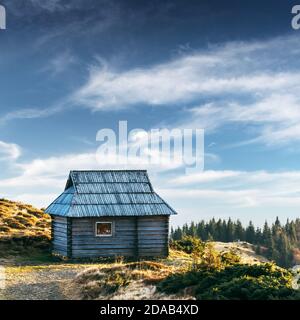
(195, 270)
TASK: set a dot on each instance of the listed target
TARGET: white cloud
(58, 166)
(205, 176)
(179, 82)
(230, 69)
(248, 83)
(41, 178)
(50, 5)
(30, 113)
(60, 63)
(9, 151)
(53, 6)
(256, 84)
(256, 195)
(245, 195)
(274, 119)
(279, 182)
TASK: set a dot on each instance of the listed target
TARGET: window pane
(104, 229)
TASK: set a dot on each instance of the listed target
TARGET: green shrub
(187, 244)
(230, 258)
(238, 282)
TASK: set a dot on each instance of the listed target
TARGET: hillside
(142, 280)
(213, 271)
(193, 270)
(50, 279)
(244, 250)
(23, 226)
(279, 242)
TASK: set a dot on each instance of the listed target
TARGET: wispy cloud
(60, 63)
(252, 83)
(245, 195)
(9, 151)
(35, 113)
(39, 181)
(50, 5)
(240, 179)
(206, 176)
(209, 193)
(274, 117)
(247, 83)
(32, 7)
(231, 70)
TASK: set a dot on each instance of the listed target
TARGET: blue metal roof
(109, 193)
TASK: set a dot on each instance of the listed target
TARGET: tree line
(278, 242)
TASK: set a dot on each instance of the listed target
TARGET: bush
(230, 258)
(239, 282)
(211, 258)
(187, 244)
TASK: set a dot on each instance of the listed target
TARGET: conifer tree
(276, 243)
(250, 233)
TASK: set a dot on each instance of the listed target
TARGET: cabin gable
(109, 213)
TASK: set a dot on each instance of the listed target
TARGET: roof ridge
(166, 203)
(118, 192)
(111, 170)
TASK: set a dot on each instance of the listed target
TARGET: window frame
(104, 235)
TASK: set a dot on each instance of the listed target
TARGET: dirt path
(296, 270)
(51, 282)
(42, 278)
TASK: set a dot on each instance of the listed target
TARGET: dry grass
(18, 220)
(43, 278)
(138, 280)
(24, 250)
(113, 280)
(243, 249)
(22, 226)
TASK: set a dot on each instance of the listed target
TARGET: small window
(103, 229)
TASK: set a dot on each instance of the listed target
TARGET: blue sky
(70, 68)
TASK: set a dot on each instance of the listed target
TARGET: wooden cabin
(110, 213)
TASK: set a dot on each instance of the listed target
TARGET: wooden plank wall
(153, 233)
(59, 235)
(69, 237)
(86, 244)
(142, 236)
